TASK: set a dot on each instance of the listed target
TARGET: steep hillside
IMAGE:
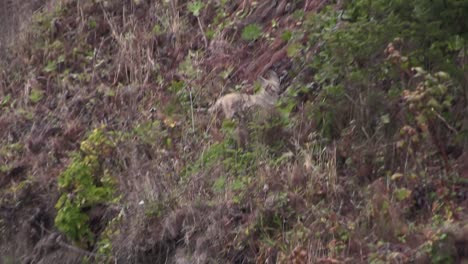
(109, 152)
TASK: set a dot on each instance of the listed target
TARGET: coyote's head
(271, 84)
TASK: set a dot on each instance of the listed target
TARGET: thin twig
(445, 122)
(203, 32)
(191, 109)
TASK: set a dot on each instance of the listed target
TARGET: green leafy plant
(219, 185)
(402, 194)
(5, 100)
(195, 7)
(251, 32)
(36, 95)
(207, 159)
(84, 184)
(294, 49)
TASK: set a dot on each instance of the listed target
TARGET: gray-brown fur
(236, 103)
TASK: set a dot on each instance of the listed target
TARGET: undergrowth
(84, 184)
(362, 159)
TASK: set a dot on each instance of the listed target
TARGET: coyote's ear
(263, 81)
(272, 75)
(272, 81)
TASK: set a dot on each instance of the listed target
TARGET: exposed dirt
(120, 66)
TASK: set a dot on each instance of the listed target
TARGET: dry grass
(14, 18)
(302, 201)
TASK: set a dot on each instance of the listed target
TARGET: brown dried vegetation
(195, 190)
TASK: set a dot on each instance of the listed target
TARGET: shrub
(84, 184)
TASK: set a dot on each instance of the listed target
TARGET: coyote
(235, 103)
